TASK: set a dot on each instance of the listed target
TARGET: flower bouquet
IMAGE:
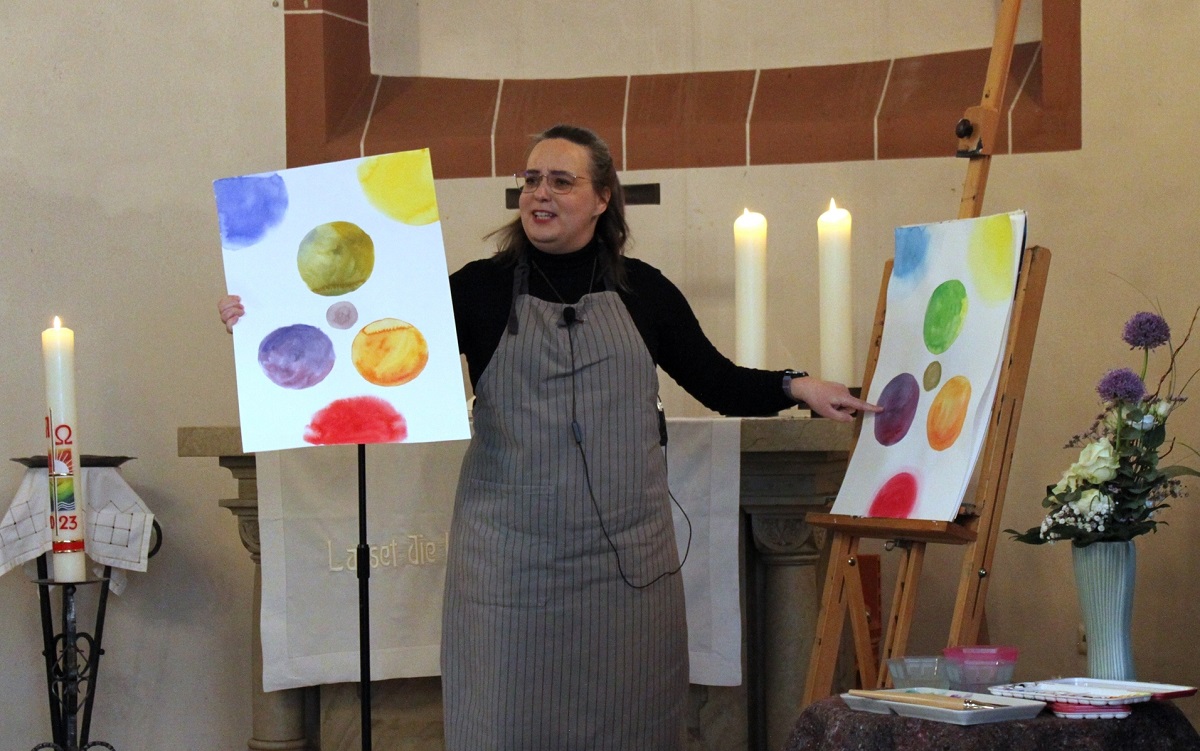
(1116, 488)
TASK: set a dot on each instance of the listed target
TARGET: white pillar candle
(750, 288)
(837, 330)
(66, 494)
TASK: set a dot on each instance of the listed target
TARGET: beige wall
(119, 120)
(117, 117)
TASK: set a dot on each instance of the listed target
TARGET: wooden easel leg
(856, 605)
(904, 603)
(830, 620)
(968, 625)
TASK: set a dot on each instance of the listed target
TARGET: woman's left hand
(829, 399)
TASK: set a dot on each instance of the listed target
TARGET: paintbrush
(940, 701)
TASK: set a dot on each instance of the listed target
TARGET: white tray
(1013, 709)
(1092, 691)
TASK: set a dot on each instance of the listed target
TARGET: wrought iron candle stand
(73, 659)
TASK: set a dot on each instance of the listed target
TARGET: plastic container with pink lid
(974, 668)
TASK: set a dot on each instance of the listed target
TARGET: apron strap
(606, 274)
(605, 267)
(520, 287)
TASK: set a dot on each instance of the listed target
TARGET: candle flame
(57, 323)
(832, 205)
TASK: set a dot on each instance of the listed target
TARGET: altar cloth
(308, 522)
(118, 523)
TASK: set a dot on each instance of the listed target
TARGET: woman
(563, 623)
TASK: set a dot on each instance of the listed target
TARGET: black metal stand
(72, 663)
(363, 561)
(73, 658)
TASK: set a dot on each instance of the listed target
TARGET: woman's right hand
(231, 309)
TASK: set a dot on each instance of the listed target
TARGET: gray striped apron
(544, 646)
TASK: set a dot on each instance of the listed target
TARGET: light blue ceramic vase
(1104, 576)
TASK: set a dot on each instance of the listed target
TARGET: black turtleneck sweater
(482, 294)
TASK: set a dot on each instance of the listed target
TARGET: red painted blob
(897, 498)
(358, 419)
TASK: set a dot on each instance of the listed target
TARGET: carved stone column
(787, 553)
(277, 717)
(789, 468)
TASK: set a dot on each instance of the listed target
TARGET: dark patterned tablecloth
(830, 725)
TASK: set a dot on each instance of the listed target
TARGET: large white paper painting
(949, 301)
(348, 335)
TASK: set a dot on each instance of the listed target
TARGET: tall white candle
(750, 288)
(837, 330)
(66, 493)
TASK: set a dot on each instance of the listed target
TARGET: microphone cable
(569, 320)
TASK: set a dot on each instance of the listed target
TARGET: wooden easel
(977, 524)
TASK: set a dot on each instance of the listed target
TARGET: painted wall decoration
(348, 335)
(949, 302)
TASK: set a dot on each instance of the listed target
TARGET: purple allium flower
(1146, 331)
(1121, 385)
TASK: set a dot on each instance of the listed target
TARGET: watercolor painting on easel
(949, 302)
(348, 335)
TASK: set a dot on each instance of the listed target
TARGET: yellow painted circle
(389, 352)
(990, 258)
(401, 186)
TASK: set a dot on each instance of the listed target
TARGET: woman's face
(561, 222)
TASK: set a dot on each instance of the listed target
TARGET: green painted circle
(945, 315)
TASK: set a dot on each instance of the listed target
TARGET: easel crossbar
(875, 528)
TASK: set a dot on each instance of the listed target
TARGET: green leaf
(1155, 437)
(1178, 470)
(1031, 536)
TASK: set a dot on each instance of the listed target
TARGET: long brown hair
(612, 231)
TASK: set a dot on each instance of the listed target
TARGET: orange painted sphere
(389, 352)
(948, 413)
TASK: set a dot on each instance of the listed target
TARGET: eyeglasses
(559, 181)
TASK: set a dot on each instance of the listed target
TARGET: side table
(829, 725)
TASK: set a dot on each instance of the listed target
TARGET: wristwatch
(788, 375)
